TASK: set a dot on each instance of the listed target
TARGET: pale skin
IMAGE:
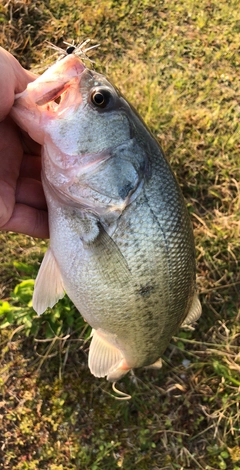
(22, 203)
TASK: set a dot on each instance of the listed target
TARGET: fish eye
(100, 98)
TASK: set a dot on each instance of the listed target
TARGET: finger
(31, 167)
(7, 201)
(30, 192)
(28, 220)
(10, 161)
(29, 145)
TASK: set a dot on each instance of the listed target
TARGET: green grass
(178, 63)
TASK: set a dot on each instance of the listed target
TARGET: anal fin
(104, 358)
(48, 287)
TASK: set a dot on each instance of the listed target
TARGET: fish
(121, 240)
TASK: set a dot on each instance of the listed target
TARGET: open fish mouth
(53, 86)
(55, 95)
(59, 98)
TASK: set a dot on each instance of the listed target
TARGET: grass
(177, 62)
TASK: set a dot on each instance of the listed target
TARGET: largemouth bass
(121, 242)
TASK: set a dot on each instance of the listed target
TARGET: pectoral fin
(105, 359)
(108, 258)
(194, 312)
(48, 287)
(110, 261)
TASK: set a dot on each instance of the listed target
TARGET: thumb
(13, 79)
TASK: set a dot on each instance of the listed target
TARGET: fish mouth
(50, 90)
(61, 98)
(62, 91)
(54, 93)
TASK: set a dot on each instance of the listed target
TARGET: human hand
(22, 202)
